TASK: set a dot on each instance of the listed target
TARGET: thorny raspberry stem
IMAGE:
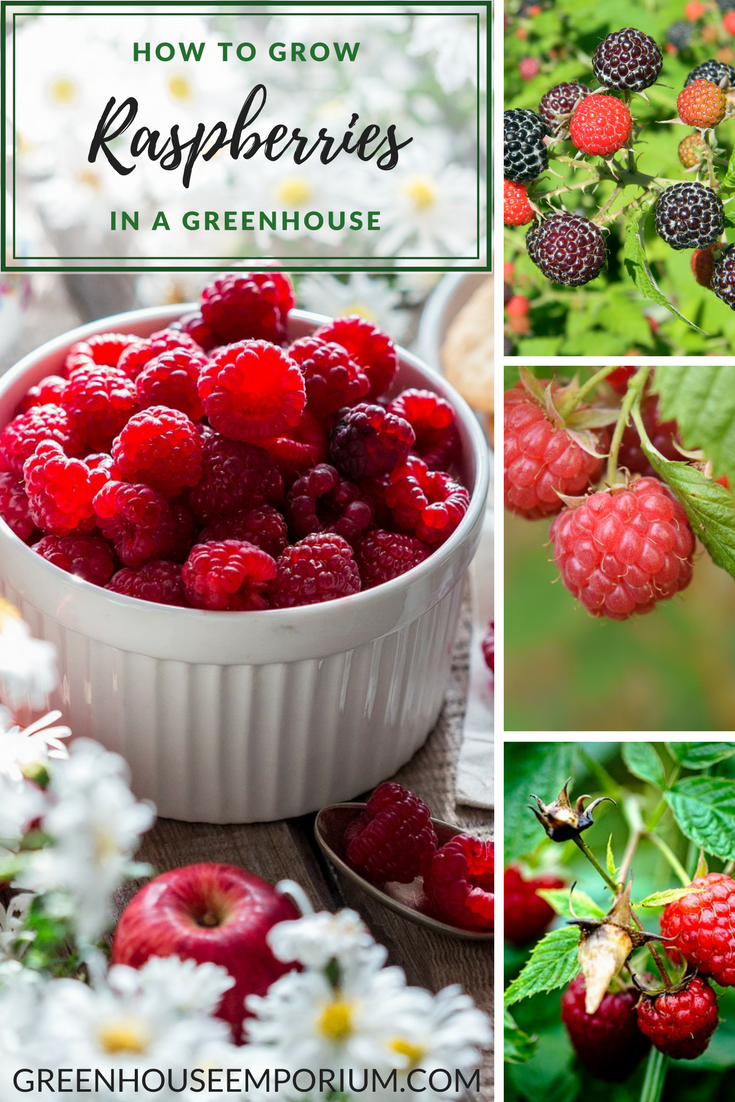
(577, 396)
(600, 216)
(653, 1084)
(633, 396)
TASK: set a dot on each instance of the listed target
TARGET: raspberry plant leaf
(702, 402)
(639, 269)
(539, 767)
(644, 763)
(579, 906)
(662, 899)
(700, 755)
(728, 184)
(518, 1047)
(552, 964)
(704, 808)
(709, 506)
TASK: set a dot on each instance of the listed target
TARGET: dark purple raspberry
(89, 557)
(679, 34)
(321, 501)
(628, 60)
(525, 155)
(608, 1042)
(235, 476)
(689, 216)
(141, 523)
(384, 555)
(717, 71)
(318, 568)
(558, 103)
(262, 526)
(568, 248)
(723, 280)
(158, 581)
(368, 441)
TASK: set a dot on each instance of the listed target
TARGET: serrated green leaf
(662, 899)
(639, 269)
(643, 762)
(552, 964)
(704, 808)
(700, 755)
(540, 767)
(518, 1047)
(701, 400)
(582, 905)
(709, 506)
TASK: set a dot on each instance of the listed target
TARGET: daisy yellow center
(361, 309)
(124, 1035)
(335, 1021)
(405, 1048)
(8, 614)
(89, 179)
(421, 192)
(104, 844)
(62, 90)
(293, 191)
(179, 87)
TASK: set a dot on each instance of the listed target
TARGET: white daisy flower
(27, 665)
(452, 39)
(24, 746)
(317, 939)
(20, 804)
(369, 296)
(190, 988)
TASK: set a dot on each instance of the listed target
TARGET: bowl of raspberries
(246, 528)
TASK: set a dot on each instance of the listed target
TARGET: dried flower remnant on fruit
(560, 820)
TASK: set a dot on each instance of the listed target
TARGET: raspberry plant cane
(624, 540)
(626, 989)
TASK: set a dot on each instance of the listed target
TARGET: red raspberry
(158, 581)
(100, 400)
(661, 434)
(138, 356)
(702, 104)
(160, 447)
(227, 575)
(600, 125)
(262, 526)
(433, 423)
(171, 380)
(60, 490)
(369, 441)
(619, 378)
(395, 840)
(517, 306)
(41, 424)
(704, 927)
(235, 476)
(517, 210)
(541, 458)
(89, 557)
(193, 325)
(691, 150)
(368, 346)
(529, 67)
(728, 22)
(304, 446)
(680, 1022)
(527, 916)
(623, 550)
(332, 379)
(384, 555)
(252, 391)
(609, 1042)
(47, 392)
(488, 648)
(102, 350)
(141, 523)
(428, 503)
(318, 568)
(321, 501)
(459, 884)
(703, 265)
(241, 307)
(375, 490)
(14, 505)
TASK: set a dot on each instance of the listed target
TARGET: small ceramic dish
(407, 900)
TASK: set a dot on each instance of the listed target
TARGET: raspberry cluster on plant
(213, 465)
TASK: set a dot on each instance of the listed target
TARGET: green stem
(600, 216)
(653, 1084)
(635, 390)
(582, 845)
(573, 399)
(661, 808)
(673, 861)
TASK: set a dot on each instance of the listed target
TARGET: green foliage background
(553, 1073)
(567, 321)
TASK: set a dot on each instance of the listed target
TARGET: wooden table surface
(286, 849)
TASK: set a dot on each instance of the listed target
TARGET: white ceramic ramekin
(250, 716)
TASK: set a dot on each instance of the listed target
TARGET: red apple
(211, 913)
